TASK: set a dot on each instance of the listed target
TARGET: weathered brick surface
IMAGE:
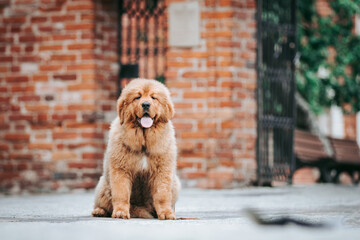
(58, 73)
(53, 71)
(213, 87)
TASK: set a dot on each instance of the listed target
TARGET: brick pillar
(213, 87)
(57, 59)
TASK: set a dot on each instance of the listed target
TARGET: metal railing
(276, 51)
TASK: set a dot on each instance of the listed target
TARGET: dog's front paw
(166, 215)
(120, 213)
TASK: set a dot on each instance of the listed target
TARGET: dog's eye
(153, 97)
(137, 98)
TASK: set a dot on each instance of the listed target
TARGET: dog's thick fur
(139, 178)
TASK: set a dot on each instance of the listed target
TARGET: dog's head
(145, 103)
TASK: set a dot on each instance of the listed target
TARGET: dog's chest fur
(144, 163)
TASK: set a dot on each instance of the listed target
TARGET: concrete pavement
(220, 213)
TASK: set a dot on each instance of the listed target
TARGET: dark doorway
(142, 40)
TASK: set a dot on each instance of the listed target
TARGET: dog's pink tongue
(146, 122)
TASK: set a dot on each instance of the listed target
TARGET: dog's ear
(170, 111)
(120, 109)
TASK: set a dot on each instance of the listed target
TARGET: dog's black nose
(145, 105)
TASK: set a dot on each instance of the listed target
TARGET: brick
(81, 46)
(196, 94)
(171, 74)
(77, 67)
(38, 19)
(52, 67)
(217, 15)
(81, 125)
(63, 18)
(8, 175)
(64, 135)
(225, 3)
(218, 174)
(224, 74)
(194, 135)
(92, 156)
(55, 8)
(217, 34)
(84, 185)
(227, 163)
(230, 104)
(195, 74)
(186, 145)
(62, 37)
(80, 26)
(20, 117)
(192, 54)
(65, 77)
(81, 6)
(224, 54)
(17, 137)
(20, 156)
(193, 175)
(82, 107)
(200, 155)
(50, 47)
(40, 78)
(82, 86)
(179, 64)
(29, 38)
(81, 165)
(5, 99)
(6, 58)
(202, 125)
(4, 126)
(182, 105)
(250, 86)
(40, 146)
(186, 164)
(37, 108)
(3, 69)
(96, 135)
(244, 35)
(3, 89)
(12, 20)
(62, 117)
(63, 57)
(63, 156)
(88, 16)
(4, 147)
(30, 58)
(29, 98)
(29, 48)
(183, 125)
(17, 79)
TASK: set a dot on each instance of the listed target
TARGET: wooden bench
(346, 158)
(309, 151)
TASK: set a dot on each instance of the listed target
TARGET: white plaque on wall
(184, 24)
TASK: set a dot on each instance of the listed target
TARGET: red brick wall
(58, 72)
(213, 88)
(55, 56)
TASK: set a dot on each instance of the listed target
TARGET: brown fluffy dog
(140, 161)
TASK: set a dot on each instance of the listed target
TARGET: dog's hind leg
(103, 204)
(175, 188)
(140, 212)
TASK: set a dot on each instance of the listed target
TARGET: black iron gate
(142, 40)
(276, 89)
